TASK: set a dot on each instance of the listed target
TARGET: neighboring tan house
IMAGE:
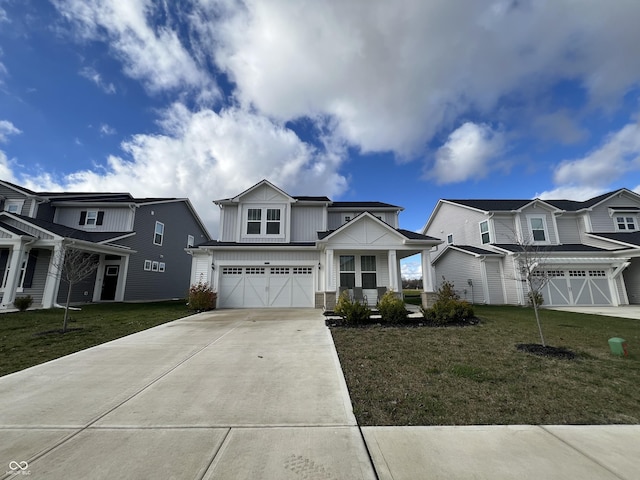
(278, 250)
(140, 244)
(589, 251)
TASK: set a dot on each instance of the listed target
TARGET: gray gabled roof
(630, 238)
(508, 205)
(69, 232)
(364, 205)
(565, 248)
(217, 243)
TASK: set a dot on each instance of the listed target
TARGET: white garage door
(577, 287)
(257, 287)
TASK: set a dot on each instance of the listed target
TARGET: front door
(110, 282)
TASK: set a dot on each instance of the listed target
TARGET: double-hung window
(254, 221)
(368, 271)
(484, 232)
(273, 221)
(538, 229)
(158, 235)
(626, 223)
(347, 271)
(264, 222)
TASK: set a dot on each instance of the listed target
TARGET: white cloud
(150, 53)
(6, 168)
(91, 74)
(560, 125)
(107, 130)
(411, 269)
(7, 128)
(206, 156)
(393, 74)
(571, 192)
(619, 154)
(467, 154)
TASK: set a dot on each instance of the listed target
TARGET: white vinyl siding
(229, 223)
(568, 229)
(306, 222)
(458, 221)
(459, 268)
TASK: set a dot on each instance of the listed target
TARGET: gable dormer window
(626, 223)
(13, 206)
(91, 218)
(264, 222)
(254, 221)
(538, 229)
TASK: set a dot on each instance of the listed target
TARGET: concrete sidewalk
(257, 394)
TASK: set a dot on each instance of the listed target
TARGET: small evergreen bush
(353, 312)
(22, 303)
(538, 296)
(448, 308)
(201, 297)
(392, 309)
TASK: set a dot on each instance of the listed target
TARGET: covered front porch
(363, 258)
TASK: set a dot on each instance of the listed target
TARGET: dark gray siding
(39, 278)
(174, 281)
(78, 292)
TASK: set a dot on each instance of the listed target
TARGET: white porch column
(393, 271)
(427, 272)
(329, 277)
(14, 264)
(52, 283)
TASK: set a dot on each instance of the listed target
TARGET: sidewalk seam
(585, 454)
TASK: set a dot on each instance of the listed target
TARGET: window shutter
(100, 218)
(83, 217)
(31, 269)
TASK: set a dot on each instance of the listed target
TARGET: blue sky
(404, 102)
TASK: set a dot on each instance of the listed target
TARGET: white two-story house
(589, 251)
(139, 243)
(278, 250)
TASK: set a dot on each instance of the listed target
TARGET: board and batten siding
(306, 222)
(174, 282)
(118, 219)
(39, 278)
(229, 223)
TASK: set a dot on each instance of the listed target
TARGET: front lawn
(474, 375)
(24, 343)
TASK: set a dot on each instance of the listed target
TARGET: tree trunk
(66, 309)
(535, 309)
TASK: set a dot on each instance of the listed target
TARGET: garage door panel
(578, 287)
(257, 287)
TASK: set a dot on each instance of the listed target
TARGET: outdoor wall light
(318, 265)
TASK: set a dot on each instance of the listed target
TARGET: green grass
(474, 375)
(413, 297)
(23, 342)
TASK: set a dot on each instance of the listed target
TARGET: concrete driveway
(232, 394)
(257, 394)
(623, 311)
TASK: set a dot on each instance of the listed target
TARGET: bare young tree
(529, 262)
(74, 266)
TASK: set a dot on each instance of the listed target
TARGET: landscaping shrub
(201, 297)
(538, 296)
(392, 309)
(22, 303)
(448, 308)
(353, 312)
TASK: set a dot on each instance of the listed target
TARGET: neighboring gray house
(140, 243)
(278, 250)
(590, 250)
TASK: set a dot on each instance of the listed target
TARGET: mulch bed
(411, 322)
(542, 351)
